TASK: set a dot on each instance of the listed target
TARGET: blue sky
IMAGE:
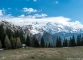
(72, 9)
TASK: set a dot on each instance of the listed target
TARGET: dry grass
(42, 53)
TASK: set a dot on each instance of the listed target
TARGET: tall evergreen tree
(33, 41)
(18, 43)
(7, 42)
(73, 41)
(36, 43)
(28, 41)
(46, 45)
(2, 35)
(42, 43)
(82, 41)
(58, 42)
(13, 43)
(65, 43)
(70, 42)
(0, 44)
(49, 45)
(79, 40)
(9, 33)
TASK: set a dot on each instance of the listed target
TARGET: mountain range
(49, 30)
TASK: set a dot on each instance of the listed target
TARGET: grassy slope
(42, 53)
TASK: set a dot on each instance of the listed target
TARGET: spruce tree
(28, 41)
(65, 43)
(73, 41)
(18, 43)
(13, 43)
(42, 43)
(7, 42)
(36, 43)
(79, 40)
(82, 41)
(33, 41)
(2, 35)
(0, 44)
(58, 42)
(49, 45)
(70, 42)
(46, 45)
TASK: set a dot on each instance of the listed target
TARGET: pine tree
(13, 43)
(2, 35)
(65, 43)
(49, 45)
(46, 45)
(70, 42)
(82, 42)
(79, 40)
(36, 43)
(33, 41)
(9, 33)
(58, 42)
(73, 41)
(0, 44)
(42, 43)
(28, 41)
(18, 43)
(7, 42)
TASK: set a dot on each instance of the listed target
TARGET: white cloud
(34, 16)
(29, 10)
(56, 2)
(34, 0)
(41, 18)
(39, 15)
(9, 8)
(21, 16)
(1, 12)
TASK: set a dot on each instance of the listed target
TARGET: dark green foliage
(13, 43)
(19, 34)
(49, 45)
(0, 44)
(36, 43)
(9, 33)
(58, 42)
(72, 42)
(82, 41)
(28, 41)
(33, 41)
(65, 43)
(7, 42)
(79, 40)
(2, 35)
(18, 43)
(46, 45)
(42, 43)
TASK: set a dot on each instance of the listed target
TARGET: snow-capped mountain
(49, 29)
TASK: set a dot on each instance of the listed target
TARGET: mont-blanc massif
(41, 29)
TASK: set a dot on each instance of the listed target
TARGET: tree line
(14, 39)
